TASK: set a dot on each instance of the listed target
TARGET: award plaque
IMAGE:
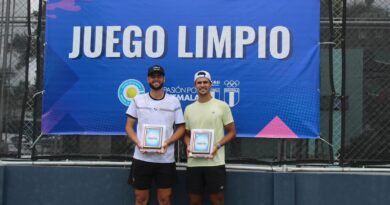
(152, 137)
(202, 142)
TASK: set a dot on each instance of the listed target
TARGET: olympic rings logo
(231, 83)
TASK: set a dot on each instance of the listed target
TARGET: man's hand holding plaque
(202, 143)
(152, 138)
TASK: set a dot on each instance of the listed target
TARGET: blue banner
(263, 57)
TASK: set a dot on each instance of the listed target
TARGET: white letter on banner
(262, 35)
(274, 42)
(128, 42)
(241, 41)
(111, 41)
(76, 43)
(183, 43)
(221, 45)
(98, 41)
(160, 41)
(199, 42)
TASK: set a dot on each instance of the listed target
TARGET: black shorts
(142, 174)
(206, 179)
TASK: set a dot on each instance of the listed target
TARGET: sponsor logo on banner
(189, 94)
(216, 93)
(231, 92)
(183, 93)
(128, 89)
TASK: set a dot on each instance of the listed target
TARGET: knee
(141, 199)
(165, 199)
(195, 199)
(217, 199)
(195, 203)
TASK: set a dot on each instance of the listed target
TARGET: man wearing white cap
(208, 175)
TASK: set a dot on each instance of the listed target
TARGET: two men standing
(204, 175)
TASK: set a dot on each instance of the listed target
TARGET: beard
(152, 86)
(203, 91)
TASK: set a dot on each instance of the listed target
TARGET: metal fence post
(3, 71)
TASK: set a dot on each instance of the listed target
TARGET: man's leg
(165, 174)
(141, 197)
(195, 199)
(195, 184)
(164, 196)
(217, 198)
(141, 179)
(215, 184)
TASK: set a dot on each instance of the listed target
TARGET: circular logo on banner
(128, 90)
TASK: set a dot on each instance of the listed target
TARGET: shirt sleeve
(132, 110)
(227, 117)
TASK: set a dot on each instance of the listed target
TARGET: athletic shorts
(143, 174)
(206, 179)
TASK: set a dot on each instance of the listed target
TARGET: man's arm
(176, 136)
(131, 133)
(187, 139)
(230, 135)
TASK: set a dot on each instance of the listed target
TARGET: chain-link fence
(367, 82)
(355, 93)
(14, 61)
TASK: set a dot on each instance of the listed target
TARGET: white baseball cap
(202, 73)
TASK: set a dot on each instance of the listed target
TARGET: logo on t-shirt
(128, 89)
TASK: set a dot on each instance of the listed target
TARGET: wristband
(219, 146)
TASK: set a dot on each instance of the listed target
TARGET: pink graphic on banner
(67, 5)
(276, 129)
